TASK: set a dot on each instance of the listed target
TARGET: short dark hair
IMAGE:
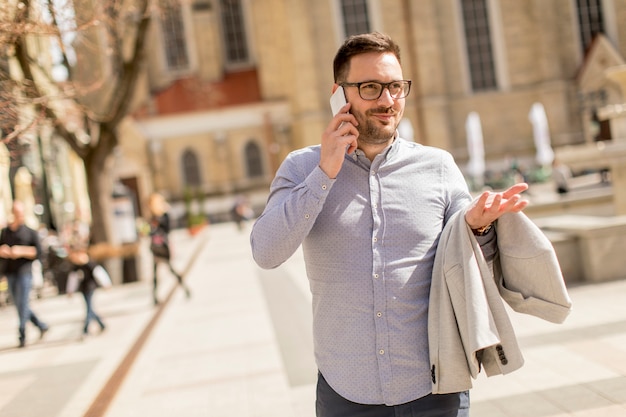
(361, 44)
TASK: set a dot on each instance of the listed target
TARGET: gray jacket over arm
(468, 326)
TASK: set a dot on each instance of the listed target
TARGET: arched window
(191, 169)
(254, 165)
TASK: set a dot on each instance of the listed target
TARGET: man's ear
(335, 87)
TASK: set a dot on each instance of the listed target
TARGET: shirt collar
(388, 152)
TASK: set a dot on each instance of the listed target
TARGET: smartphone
(337, 100)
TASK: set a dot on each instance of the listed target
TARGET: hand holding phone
(337, 140)
(337, 100)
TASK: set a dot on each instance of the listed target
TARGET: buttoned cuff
(319, 184)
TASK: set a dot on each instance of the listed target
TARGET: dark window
(254, 165)
(201, 6)
(590, 20)
(175, 43)
(234, 32)
(478, 41)
(355, 17)
(191, 169)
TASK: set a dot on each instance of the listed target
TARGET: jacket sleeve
(530, 278)
(468, 326)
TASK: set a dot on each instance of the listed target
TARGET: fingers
(343, 121)
(345, 137)
(502, 203)
(519, 205)
(346, 128)
(482, 200)
(344, 108)
(342, 132)
(339, 138)
(491, 205)
(514, 199)
(515, 189)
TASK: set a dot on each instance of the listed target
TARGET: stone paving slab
(577, 368)
(231, 350)
(573, 369)
(62, 374)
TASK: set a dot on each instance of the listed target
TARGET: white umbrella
(476, 149)
(541, 134)
(405, 129)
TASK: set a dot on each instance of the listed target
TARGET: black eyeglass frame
(382, 85)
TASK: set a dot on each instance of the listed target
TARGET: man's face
(378, 119)
(18, 213)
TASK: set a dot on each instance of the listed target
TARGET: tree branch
(132, 69)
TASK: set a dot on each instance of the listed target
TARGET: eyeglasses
(372, 90)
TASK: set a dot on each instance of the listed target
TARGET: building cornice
(254, 115)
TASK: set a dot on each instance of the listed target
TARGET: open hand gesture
(490, 205)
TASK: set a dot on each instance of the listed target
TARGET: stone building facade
(232, 86)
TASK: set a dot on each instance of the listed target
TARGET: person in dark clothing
(241, 211)
(159, 241)
(19, 247)
(90, 276)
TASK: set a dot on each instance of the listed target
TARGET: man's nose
(385, 97)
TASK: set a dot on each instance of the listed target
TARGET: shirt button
(324, 187)
(382, 351)
(375, 239)
(375, 205)
(379, 314)
(306, 216)
(376, 275)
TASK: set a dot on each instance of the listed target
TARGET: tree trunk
(98, 165)
(126, 59)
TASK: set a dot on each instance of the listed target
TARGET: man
(19, 247)
(368, 208)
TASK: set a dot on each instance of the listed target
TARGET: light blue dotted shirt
(369, 239)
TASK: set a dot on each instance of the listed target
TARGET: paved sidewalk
(241, 346)
(577, 368)
(218, 354)
(63, 374)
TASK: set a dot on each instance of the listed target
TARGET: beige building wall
(534, 63)
(537, 53)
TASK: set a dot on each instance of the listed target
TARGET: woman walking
(86, 276)
(159, 241)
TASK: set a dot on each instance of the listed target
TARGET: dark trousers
(331, 404)
(19, 285)
(155, 279)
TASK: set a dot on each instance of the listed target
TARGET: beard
(371, 131)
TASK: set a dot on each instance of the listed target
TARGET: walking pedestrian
(159, 242)
(241, 211)
(368, 208)
(19, 247)
(87, 276)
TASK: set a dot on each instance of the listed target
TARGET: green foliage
(195, 214)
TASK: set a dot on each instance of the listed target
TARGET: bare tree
(79, 63)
